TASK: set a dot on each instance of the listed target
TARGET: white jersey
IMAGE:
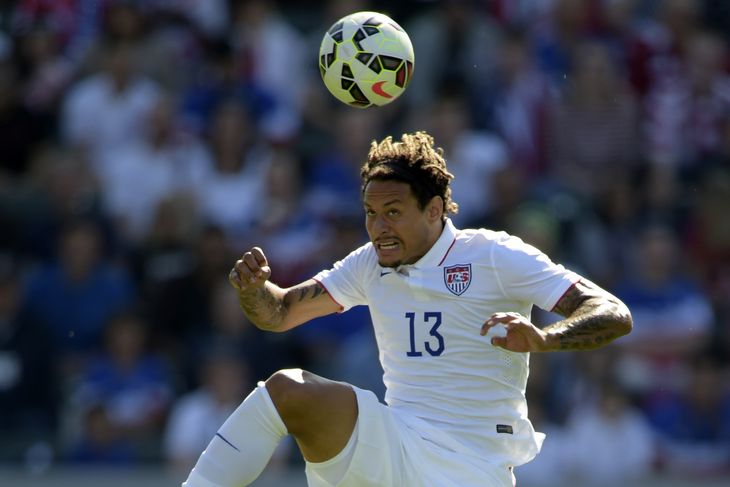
(427, 317)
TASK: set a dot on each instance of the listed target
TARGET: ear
(435, 208)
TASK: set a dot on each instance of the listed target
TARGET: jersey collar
(437, 253)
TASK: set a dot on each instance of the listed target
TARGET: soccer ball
(366, 59)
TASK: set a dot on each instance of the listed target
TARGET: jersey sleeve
(527, 274)
(345, 281)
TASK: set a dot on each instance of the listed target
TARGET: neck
(434, 234)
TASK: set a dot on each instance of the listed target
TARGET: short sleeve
(527, 274)
(347, 279)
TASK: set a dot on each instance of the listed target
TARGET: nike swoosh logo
(378, 90)
(385, 273)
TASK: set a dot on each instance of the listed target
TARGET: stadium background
(144, 145)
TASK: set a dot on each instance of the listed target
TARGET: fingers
(499, 341)
(259, 256)
(250, 270)
(234, 279)
(503, 319)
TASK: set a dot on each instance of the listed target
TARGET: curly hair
(414, 161)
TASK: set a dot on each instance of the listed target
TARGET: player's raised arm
(270, 307)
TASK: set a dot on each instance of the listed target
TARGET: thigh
(391, 452)
(319, 413)
(380, 457)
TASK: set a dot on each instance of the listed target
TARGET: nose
(379, 225)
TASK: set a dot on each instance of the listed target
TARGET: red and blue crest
(457, 278)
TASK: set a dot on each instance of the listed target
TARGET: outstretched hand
(521, 335)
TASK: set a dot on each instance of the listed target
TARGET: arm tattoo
(304, 292)
(593, 318)
(265, 310)
(267, 307)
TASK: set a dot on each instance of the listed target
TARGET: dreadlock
(414, 161)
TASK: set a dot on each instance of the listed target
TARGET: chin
(392, 264)
(390, 258)
(389, 262)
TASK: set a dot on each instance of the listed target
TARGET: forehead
(382, 192)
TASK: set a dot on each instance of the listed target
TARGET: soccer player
(451, 312)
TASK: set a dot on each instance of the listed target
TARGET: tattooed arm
(593, 318)
(270, 307)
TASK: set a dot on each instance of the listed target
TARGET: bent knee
(289, 389)
(303, 399)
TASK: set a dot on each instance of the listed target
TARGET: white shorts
(397, 451)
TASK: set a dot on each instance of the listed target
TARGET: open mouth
(387, 245)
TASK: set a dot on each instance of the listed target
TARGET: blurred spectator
(119, 94)
(269, 56)
(355, 349)
(59, 189)
(327, 344)
(172, 163)
(75, 295)
(227, 328)
(672, 316)
(537, 226)
(162, 44)
(291, 231)
(509, 189)
(28, 406)
(617, 213)
(101, 443)
(74, 23)
(522, 97)
(230, 195)
(655, 47)
(473, 156)
(125, 392)
(461, 41)
(548, 407)
(210, 18)
(694, 423)
(686, 116)
(180, 282)
(21, 130)
(593, 127)
(333, 175)
(165, 258)
(197, 415)
(216, 80)
(609, 441)
(47, 72)
(565, 26)
(709, 241)
(709, 229)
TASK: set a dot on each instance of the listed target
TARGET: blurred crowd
(144, 145)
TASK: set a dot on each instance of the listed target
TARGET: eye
(369, 212)
(393, 212)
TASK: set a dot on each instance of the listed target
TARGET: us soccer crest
(457, 278)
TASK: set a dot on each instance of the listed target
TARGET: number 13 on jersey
(434, 346)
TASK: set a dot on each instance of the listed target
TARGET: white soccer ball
(366, 59)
